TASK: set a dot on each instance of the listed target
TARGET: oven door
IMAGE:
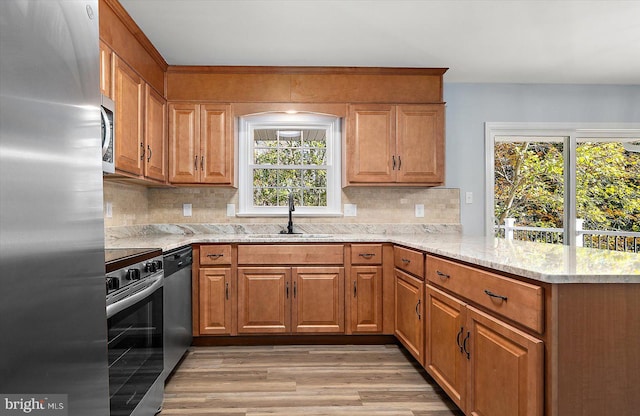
(135, 349)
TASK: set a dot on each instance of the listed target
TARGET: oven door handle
(123, 304)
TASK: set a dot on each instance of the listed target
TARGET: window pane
(529, 183)
(265, 197)
(607, 186)
(264, 177)
(288, 178)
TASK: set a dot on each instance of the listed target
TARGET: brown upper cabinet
(140, 123)
(105, 70)
(201, 144)
(129, 118)
(390, 144)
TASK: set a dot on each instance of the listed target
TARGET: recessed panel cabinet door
(129, 118)
(506, 369)
(264, 295)
(445, 359)
(216, 144)
(155, 155)
(420, 143)
(318, 299)
(365, 292)
(371, 144)
(184, 143)
(409, 307)
(215, 301)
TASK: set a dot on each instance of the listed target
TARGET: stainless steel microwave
(108, 148)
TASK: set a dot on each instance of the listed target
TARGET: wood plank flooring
(341, 380)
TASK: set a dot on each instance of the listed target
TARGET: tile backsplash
(135, 204)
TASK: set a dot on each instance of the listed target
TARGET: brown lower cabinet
(486, 366)
(215, 301)
(281, 300)
(409, 314)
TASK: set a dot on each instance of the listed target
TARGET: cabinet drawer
(289, 254)
(215, 254)
(519, 301)
(366, 254)
(409, 260)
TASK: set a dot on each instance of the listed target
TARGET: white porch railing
(608, 240)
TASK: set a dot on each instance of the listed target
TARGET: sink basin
(299, 235)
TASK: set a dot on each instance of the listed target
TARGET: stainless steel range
(134, 284)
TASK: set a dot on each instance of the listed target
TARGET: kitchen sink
(297, 235)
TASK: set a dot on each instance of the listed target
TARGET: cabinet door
(184, 143)
(409, 326)
(264, 295)
(370, 144)
(129, 116)
(420, 143)
(445, 359)
(318, 299)
(506, 369)
(365, 292)
(155, 133)
(105, 70)
(216, 144)
(215, 301)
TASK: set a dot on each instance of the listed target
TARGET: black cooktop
(117, 258)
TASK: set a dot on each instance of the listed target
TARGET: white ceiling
(535, 41)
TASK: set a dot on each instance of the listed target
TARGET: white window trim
(573, 133)
(247, 124)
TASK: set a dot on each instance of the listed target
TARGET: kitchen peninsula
(551, 325)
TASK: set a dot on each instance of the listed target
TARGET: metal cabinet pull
(355, 289)
(295, 292)
(493, 295)
(367, 256)
(394, 162)
(399, 163)
(417, 309)
(406, 261)
(458, 338)
(141, 151)
(226, 290)
(287, 290)
(215, 256)
(464, 345)
(201, 162)
(195, 163)
(442, 275)
(150, 153)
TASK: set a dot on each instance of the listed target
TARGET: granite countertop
(538, 261)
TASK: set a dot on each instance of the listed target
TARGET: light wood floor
(344, 380)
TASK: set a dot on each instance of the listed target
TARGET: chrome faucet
(292, 208)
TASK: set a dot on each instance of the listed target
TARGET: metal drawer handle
(215, 256)
(464, 345)
(458, 338)
(493, 295)
(367, 255)
(442, 275)
(399, 162)
(406, 261)
(417, 310)
(150, 153)
(394, 162)
(195, 163)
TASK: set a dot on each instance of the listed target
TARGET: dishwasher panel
(177, 307)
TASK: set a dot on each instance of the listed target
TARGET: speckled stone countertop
(538, 261)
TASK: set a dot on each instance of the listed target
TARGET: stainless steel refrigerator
(52, 288)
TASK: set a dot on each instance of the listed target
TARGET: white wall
(470, 106)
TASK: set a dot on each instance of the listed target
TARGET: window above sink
(282, 153)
